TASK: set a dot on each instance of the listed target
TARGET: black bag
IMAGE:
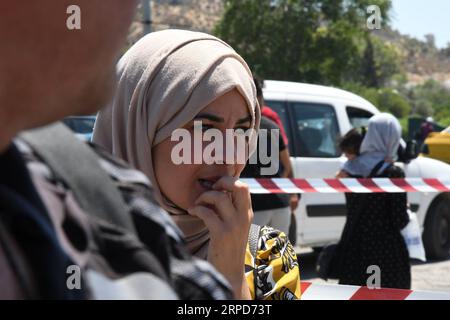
(327, 266)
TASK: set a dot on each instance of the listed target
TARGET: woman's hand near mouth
(227, 213)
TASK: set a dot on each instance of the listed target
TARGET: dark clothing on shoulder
(27, 237)
(44, 231)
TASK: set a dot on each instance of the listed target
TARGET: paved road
(429, 276)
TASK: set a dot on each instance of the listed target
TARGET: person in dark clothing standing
(371, 236)
(269, 209)
(425, 129)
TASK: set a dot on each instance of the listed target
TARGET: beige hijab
(164, 81)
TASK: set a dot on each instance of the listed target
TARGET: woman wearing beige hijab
(166, 81)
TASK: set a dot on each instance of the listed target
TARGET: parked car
(82, 126)
(437, 145)
(314, 118)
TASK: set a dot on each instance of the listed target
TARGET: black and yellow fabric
(276, 268)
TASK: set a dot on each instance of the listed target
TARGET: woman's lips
(207, 183)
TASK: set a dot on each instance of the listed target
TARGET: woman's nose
(234, 150)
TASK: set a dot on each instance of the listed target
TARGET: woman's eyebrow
(208, 116)
(215, 118)
(244, 120)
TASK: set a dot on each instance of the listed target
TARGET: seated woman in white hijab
(371, 236)
(167, 80)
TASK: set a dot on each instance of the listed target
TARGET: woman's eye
(241, 130)
(206, 127)
(203, 127)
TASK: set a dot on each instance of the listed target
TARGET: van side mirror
(409, 152)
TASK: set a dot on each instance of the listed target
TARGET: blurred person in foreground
(48, 72)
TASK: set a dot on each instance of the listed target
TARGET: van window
(317, 130)
(280, 108)
(358, 117)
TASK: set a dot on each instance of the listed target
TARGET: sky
(420, 17)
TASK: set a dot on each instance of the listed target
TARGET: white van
(314, 118)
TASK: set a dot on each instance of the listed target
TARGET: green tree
(432, 99)
(385, 99)
(388, 62)
(446, 51)
(390, 100)
(316, 41)
(369, 68)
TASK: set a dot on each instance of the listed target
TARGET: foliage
(385, 99)
(314, 41)
(327, 42)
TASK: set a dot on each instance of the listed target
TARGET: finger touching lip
(226, 183)
(208, 182)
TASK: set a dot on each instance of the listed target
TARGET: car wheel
(436, 236)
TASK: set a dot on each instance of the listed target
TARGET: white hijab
(164, 81)
(380, 143)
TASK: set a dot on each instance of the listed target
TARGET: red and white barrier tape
(315, 291)
(347, 185)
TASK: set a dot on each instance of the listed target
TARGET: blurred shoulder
(134, 186)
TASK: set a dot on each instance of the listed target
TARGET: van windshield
(317, 130)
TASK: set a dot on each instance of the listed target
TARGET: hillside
(421, 59)
(198, 15)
